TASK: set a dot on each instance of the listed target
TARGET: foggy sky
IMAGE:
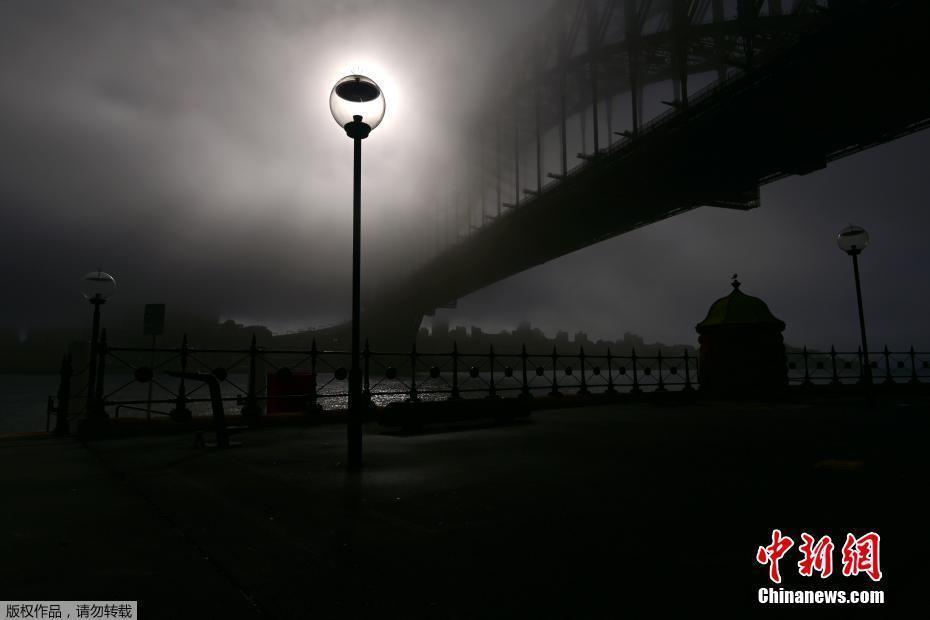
(187, 148)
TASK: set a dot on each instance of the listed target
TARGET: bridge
(615, 114)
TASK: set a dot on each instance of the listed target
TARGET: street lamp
(97, 287)
(853, 240)
(357, 104)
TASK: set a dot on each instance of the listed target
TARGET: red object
(773, 553)
(290, 392)
(860, 555)
(817, 556)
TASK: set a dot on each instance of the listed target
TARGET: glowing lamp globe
(853, 239)
(98, 286)
(357, 95)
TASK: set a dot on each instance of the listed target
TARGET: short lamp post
(853, 240)
(97, 287)
(357, 104)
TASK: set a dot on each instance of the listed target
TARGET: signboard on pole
(154, 321)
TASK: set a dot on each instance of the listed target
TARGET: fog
(187, 148)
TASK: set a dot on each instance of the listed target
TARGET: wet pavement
(574, 513)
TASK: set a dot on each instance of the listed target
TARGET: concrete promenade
(573, 513)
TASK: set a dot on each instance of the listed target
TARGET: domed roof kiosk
(742, 351)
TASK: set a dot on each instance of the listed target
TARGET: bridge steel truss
(566, 77)
(783, 89)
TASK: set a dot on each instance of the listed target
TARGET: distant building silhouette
(581, 339)
(440, 327)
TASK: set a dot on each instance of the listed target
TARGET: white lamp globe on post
(853, 240)
(357, 99)
(358, 106)
(97, 287)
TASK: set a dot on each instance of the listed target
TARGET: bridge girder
(792, 113)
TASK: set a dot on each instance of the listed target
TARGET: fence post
(836, 377)
(914, 378)
(635, 389)
(64, 395)
(807, 375)
(366, 379)
(862, 361)
(100, 406)
(314, 357)
(525, 392)
(584, 380)
(455, 372)
(413, 374)
(661, 386)
(251, 402)
(314, 354)
(888, 379)
(555, 373)
(492, 390)
(181, 412)
(687, 360)
(610, 373)
(151, 383)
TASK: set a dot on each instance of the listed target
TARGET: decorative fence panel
(138, 381)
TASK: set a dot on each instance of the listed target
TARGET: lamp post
(357, 104)
(97, 287)
(853, 240)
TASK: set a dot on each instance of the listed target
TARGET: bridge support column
(516, 148)
(563, 133)
(498, 162)
(539, 147)
(718, 17)
(593, 45)
(635, 15)
(681, 21)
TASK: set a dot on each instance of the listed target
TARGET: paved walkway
(574, 513)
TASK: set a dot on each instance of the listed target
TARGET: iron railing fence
(137, 381)
(845, 368)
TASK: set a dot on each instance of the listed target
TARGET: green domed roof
(737, 308)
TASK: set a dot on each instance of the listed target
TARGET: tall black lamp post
(97, 287)
(853, 240)
(357, 104)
